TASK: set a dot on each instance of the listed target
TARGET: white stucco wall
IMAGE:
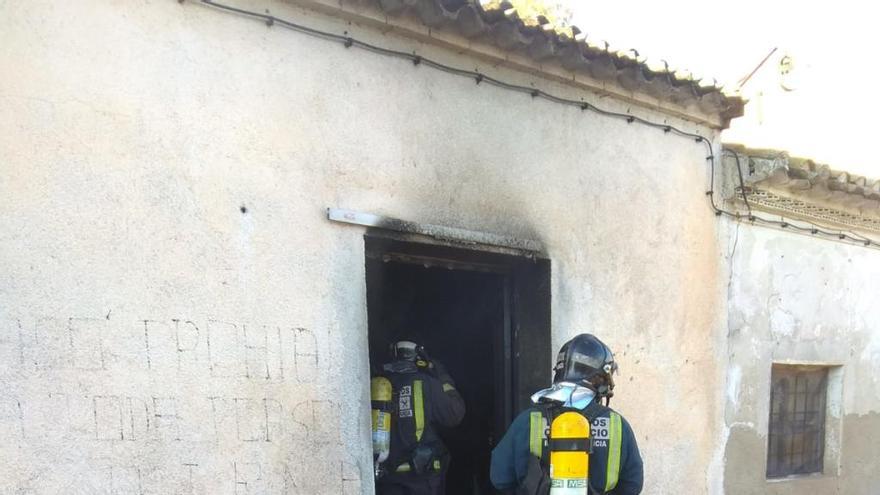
(156, 339)
(796, 299)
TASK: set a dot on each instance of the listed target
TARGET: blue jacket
(510, 457)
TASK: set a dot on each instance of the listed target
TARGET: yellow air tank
(380, 397)
(569, 454)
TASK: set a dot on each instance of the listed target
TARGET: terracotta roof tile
(501, 24)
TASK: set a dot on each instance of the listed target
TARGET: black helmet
(586, 361)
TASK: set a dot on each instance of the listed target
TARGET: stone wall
(177, 314)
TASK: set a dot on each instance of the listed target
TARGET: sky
(830, 115)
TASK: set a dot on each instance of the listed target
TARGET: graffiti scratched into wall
(170, 405)
(222, 348)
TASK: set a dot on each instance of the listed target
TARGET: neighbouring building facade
(213, 222)
(802, 387)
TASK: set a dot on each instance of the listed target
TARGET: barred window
(796, 437)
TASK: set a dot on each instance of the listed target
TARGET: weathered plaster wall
(158, 338)
(801, 300)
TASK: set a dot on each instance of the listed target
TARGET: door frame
(525, 360)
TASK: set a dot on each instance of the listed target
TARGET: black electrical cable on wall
(742, 188)
(480, 77)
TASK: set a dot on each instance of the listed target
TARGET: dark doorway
(473, 311)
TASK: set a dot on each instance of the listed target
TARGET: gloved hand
(424, 360)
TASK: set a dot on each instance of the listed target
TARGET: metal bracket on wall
(439, 232)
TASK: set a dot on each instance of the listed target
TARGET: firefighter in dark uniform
(583, 377)
(424, 397)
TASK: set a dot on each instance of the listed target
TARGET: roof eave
(776, 181)
(501, 37)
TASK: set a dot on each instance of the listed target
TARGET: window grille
(796, 436)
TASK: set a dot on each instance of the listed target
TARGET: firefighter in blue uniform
(424, 397)
(583, 377)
